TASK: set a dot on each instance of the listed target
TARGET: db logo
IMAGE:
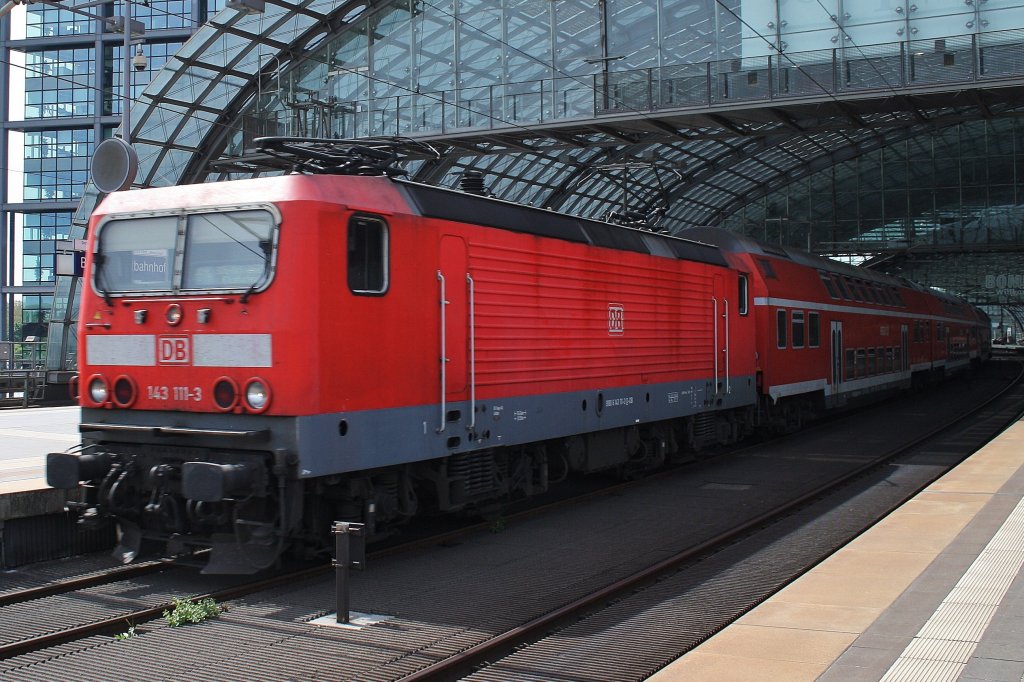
(173, 350)
(616, 319)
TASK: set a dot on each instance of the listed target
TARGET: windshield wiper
(250, 291)
(97, 261)
(265, 246)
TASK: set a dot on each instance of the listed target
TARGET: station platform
(931, 592)
(26, 435)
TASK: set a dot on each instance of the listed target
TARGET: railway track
(128, 615)
(27, 632)
(534, 650)
(76, 583)
(525, 639)
(33, 614)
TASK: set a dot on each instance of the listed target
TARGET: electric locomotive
(262, 357)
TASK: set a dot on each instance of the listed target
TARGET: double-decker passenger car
(262, 357)
(830, 333)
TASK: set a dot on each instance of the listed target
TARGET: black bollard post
(349, 552)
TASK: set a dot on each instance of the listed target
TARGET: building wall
(64, 80)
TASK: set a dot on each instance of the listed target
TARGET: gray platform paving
(959, 620)
(27, 434)
(931, 592)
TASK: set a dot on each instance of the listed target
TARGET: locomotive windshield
(198, 252)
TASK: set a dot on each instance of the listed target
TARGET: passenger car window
(781, 327)
(766, 268)
(367, 255)
(829, 287)
(813, 333)
(842, 288)
(798, 329)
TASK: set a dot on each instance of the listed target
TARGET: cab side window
(744, 295)
(367, 255)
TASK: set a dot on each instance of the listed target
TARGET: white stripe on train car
(127, 350)
(784, 390)
(232, 350)
(208, 350)
(833, 308)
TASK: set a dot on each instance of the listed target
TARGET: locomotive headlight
(99, 390)
(257, 395)
(173, 314)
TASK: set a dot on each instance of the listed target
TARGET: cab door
(453, 286)
(720, 313)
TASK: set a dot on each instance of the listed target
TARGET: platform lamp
(115, 163)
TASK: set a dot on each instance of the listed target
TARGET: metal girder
(787, 120)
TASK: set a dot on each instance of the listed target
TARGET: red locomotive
(262, 357)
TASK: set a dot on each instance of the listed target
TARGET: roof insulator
(472, 182)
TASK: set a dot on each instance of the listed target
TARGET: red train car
(831, 334)
(262, 357)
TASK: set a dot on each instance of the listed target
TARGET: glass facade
(157, 15)
(412, 67)
(36, 308)
(156, 54)
(961, 184)
(57, 163)
(41, 232)
(45, 21)
(60, 83)
(71, 74)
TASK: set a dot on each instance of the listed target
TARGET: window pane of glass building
(156, 55)
(45, 21)
(60, 83)
(163, 14)
(56, 164)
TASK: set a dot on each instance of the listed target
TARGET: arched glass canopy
(672, 113)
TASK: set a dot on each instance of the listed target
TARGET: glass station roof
(665, 114)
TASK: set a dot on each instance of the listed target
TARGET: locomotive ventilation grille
(480, 473)
(704, 426)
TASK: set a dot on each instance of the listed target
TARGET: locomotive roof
(449, 204)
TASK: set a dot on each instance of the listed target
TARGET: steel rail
(143, 615)
(73, 584)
